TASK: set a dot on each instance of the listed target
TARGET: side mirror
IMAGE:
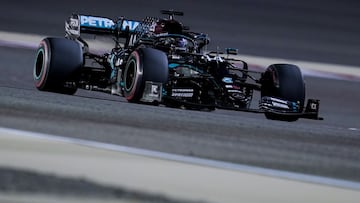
(185, 27)
(231, 51)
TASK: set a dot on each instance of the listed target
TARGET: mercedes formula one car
(160, 61)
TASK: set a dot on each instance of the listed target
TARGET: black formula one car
(160, 61)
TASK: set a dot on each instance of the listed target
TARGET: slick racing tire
(57, 65)
(144, 64)
(284, 81)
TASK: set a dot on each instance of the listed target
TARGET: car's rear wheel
(57, 65)
(144, 64)
(285, 82)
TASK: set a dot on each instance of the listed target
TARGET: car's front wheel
(284, 82)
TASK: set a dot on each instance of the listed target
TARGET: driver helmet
(159, 27)
(181, 42)
(168, 26)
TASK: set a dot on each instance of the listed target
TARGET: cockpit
(174, 43)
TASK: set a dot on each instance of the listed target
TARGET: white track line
(344, 72)
(189, 160)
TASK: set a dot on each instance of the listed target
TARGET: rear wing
(78, 24)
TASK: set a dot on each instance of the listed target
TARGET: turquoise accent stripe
(173, 65)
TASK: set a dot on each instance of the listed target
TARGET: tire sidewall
(132, 92)
(40, 76)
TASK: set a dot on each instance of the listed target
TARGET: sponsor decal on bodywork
(182, 92)
(97, 22)
(106, 23)
(131, 24)
(227, 80)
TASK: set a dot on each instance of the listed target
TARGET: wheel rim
(130, 75)
(39, 64)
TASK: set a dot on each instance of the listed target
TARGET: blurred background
(319, 30)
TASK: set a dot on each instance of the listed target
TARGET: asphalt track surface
(323, 31)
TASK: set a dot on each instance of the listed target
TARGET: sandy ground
(174, 180)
